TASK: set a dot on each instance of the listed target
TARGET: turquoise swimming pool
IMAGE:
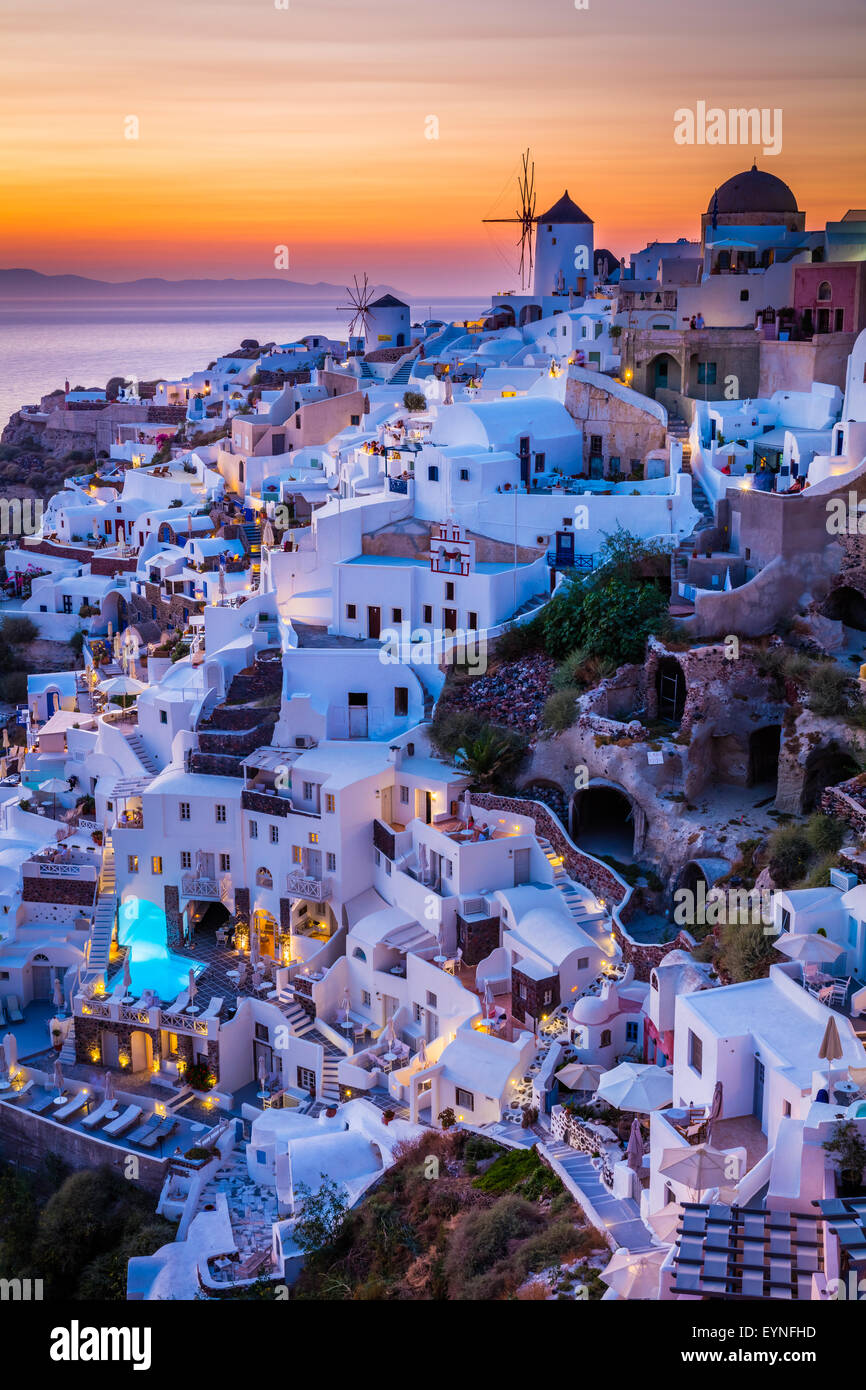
(142, 927)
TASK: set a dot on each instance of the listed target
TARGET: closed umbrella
(263, 1071)
(58, 1078)
(422, 862)
(467, 806)
(268, 533)
(831, 1047)
(58, 994)
(4, 1065)
(254, 949)
(634, 1275)
(10, 1042)
(634, 1152)
(108, 1086)
(698, 1167)
(489, 998)
(808, 947)
(580, 1076)
(633, 1086)
(715, 1108)
(422, 1060)
(127, 974)
(193, 990)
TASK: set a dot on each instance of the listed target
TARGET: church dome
(753, 191)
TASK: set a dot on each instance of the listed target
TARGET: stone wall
(78, 892)
(173, 921)
(590, 872)
(26, 1139)
(477, 939)
(533, 1000)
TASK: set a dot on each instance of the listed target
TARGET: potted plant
(847, 1144)
(387, 1116)
(447, 1118)
(331, 1111)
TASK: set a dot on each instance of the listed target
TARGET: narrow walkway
(578, 901)
(620, 1215)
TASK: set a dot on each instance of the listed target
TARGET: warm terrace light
(123, 1059)
(94, 1054)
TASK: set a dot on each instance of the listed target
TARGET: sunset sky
(305, 126)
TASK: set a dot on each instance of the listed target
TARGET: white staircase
(299, 1021)
(593, 920)
(139, 748)
(103, 920)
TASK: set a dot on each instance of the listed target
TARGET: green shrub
(521, 639)
(414, 400)
(560, 710)
(829, 690)
(18, 630)
(826, 834)
(790, 852)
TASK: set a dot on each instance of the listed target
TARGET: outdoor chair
(65, 1112)
(14, 1010)
(144, 1131)
(162, 1131)
(106, 1111)
(124, 1121)
(2, 1015)
(22, 1091)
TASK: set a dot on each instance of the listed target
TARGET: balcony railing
(205, 887)
(302, 886)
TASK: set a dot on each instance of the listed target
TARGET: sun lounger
(65, 1112)
(212, 1010)
(21, 1092)
(106, 1111)
(2, 1014)
(14, 1010)
(150, 1126)
(168, 1126)
(124, 1121)
(40, 1107)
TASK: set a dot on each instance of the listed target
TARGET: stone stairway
(620, 1215)
(592, 920)
(330, 1086)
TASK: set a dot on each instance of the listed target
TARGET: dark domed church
(753, 198)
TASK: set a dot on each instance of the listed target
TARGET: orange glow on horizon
(305, 127)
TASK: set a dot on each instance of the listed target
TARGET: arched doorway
(141, 1050)
(670, 690)
(848, 606)
(764, 755)
(215, 917)
(530, 313)
(663, 374)
(602, 821)
(826, 767)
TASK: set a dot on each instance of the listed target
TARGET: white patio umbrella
(580, 1076)
(634, 1275)
(665, 1222)
(635, 1086)
(127, 973)
(4, 1064)
(121, 685)
(390, 1032)
(263, 1071)
(808, 947)
(10, 1042)
(698, 1167)
(466, 809)
(54, 785)
(193, 991)
(242, 973)
(58, 1078)
(108, 1086)
(422, 862)
(422, 1060)
(831, 1047)
(345, 1005)
(254, 949)
(268, 533)
(58, 994)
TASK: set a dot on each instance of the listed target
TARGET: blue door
(52, 701)
(758, 1092)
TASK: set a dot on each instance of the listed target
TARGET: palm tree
(489, 757)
